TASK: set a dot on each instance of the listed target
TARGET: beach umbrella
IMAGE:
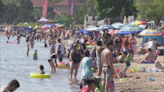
(43, 20)
(137, 22)
(129, 30)
(103, 27)
(92, 29)
(113, 31)
(150, 32)
(118, 25)
(91, 26)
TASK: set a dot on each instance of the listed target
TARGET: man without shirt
(107, 63)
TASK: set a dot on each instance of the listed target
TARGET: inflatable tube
(89, 47)
(101, 88)
(94, 43)
(87, 43)
(38, 75)
(11, 42)
(94, 69)
(62, 65)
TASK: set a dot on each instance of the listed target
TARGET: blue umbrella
(106, 27)
(129, 30)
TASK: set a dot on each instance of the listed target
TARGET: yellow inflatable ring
(38, 75)
(62, 65)
(94, 43)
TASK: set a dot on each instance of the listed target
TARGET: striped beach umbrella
(137, 22)
(113, 31)
(150, 32)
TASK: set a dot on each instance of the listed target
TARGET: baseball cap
(59, 39)
(86, 52)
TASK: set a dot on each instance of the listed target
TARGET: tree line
(143, 9)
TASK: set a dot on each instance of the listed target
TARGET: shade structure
(103, 27)
(92, 29)
(129, 30)
(150, 32)
(91, 26)
(85, 32)
(48, 26)
(159, 38)
(118, 25)
(43, 20)
(138, 22)
(113, 31)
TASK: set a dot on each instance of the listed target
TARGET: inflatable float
(89, 46)
(38, 75)
(10, 42)
(62, 65)
(94, 43)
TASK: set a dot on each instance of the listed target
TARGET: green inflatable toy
(89, 46)
(101, 88)
(93, 70)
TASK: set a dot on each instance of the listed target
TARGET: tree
(151, 9)
(2, 11)
(10, 13)
(114, 8)
(26, 11)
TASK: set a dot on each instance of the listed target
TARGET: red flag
(44, 14)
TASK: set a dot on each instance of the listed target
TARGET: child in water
(45, 43)
(35, 55)
(28, 48)
(50, 60)
(42, 69)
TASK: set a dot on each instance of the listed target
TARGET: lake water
(14, 64)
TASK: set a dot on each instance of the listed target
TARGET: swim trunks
(108, 73)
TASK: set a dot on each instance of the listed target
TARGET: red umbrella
(113, 31)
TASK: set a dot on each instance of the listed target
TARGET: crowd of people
(109, 49)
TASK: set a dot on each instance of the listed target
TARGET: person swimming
(35, 55)
(42, 69)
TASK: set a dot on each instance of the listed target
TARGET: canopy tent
(43, 20)
(159, 38)
(92, 29)
(85, 32)
(47, 26)
(129, 30)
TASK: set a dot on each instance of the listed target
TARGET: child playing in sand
(42, 69)
(128, 59)
(28, 48)
(50, 60)
(35, 55)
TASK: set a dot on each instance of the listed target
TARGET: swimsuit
(108, 73)
(76, 58)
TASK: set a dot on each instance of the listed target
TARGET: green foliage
(65, 16)
(37, 13)
(25, 11)
(10, 13)
(56, 1)
(10, 1)
(114, 8)
(2, 11)
(29, 24)
(151, 9)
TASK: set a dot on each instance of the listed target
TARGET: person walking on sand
(107, 64)
(12, 86)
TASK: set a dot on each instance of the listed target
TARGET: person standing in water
(52, 41)
(28, 47)
(107, 63)
(12, 86)
(75, 58)
(61, 47)
(32, 41)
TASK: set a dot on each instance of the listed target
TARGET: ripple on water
(15, 64)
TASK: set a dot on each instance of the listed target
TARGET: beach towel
(155, 70)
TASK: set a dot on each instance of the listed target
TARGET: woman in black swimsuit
(118, 42)
(75, 58)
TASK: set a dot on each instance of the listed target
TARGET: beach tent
(43, 20)
(85, 32)
(159, 38)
